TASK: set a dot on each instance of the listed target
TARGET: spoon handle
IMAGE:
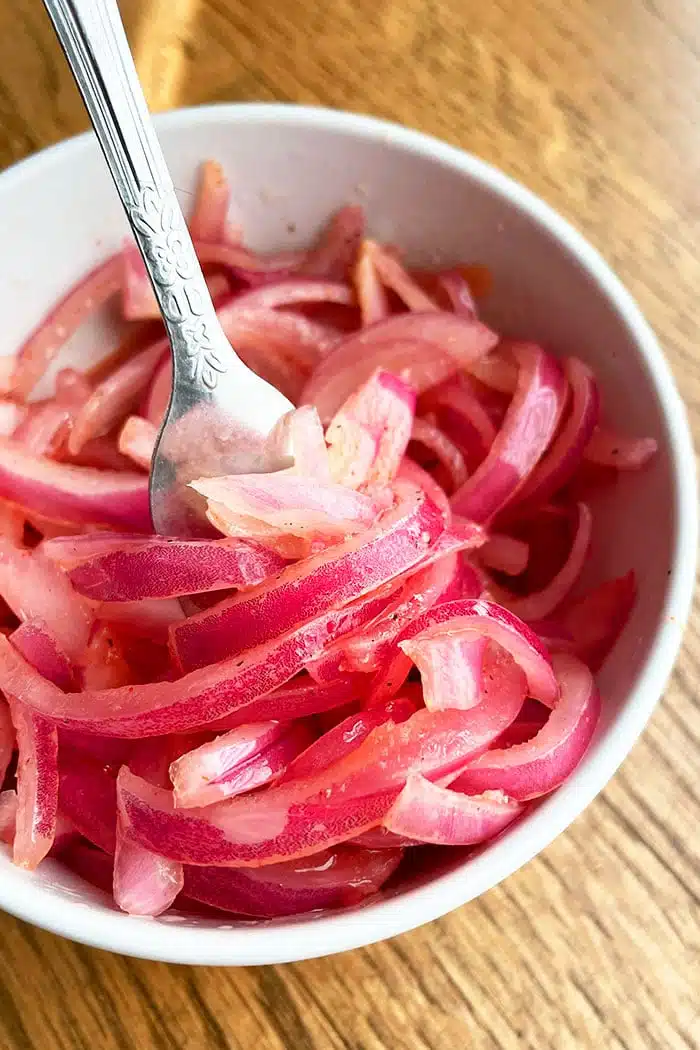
(93, 39)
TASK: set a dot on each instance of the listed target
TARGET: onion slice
(609, 449)
(529, 426)
(430, 813)
(526, 771)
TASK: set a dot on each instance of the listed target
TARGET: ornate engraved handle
(94, 42)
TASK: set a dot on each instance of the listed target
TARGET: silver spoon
(220, 412)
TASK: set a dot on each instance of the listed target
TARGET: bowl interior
(59, 215)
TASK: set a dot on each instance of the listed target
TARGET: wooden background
(595, 105)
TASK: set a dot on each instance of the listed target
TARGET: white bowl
(290, 167)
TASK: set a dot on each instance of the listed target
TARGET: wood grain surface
(594, 104)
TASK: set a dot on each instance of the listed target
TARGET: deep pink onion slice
(336, 250)
(300, 434)
(301, 817)
(53, 331)
(289, 503)
(528, 770)
(540, 604)
(79, 495)
(115, 396)
(246, 266)
(40, 648)
(294, 292)
(333, 878)
(208, 219)
(7, 739)
(205, 695)
(8, 816)
(610, 449)
(87, 796)
(341, 574)
(130, 568)
(137, 440)
(430, 813)
(452, 668)
(37, 786)
(395, 277)
(496, 624)
(507, 554)
(36, 589)
(529, 426)
(414, 474)
(239, 761)
(143, 882)
(439, 580)
(423, 349)
(345, 738)
(429, 435)
(596, 619)
(371, 294)
(559, 464)
(381, 838)
(297, 699)
(461, 415)
(369, 433)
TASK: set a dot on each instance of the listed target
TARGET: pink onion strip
(37, 786)
(7, 739)
(529, 426)
(341, 574)
(609, 449)
(429, 813)
(505, 554)
(436, 441)
(371, 294)
(137, 440)
(528, 770)
(539, 604)
(205, 695)
(301, 817)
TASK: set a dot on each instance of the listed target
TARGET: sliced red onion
(423, 349)
(496, 624)
(395, 277)
(371, 294)
(341, 574)
(246, 266)
(208, 219)
(37, 786)
(535, 768)
(137, 440)
(157, 398)
(87, 796)
(149, 618)
(540, 604)
(443, 817)
(54, 330)
(205, 695)
(505, 554)
(144, 883)
(368, 435)
(345, 738)
(45, 427)
(289, 503)
(559, 464)
(529, 426)
(104, 664)
(8, 816)
(498, 370)
(113, 568)
(452, 668)
(40, 648)
(36, 589)
(379, 838)
(294, 292)
(609, 449)
(80, 495)
(411, 472)
(332, 878)
(7, 739)
(304, 816)
(431, 437)
(335, 253)
(300, 434)
(239, 761)
(241, 527)
(596, 619)
(457, 291)
(115, 396)
(297, 699)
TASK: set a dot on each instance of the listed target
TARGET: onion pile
(384, 649)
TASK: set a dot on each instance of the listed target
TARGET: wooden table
(596, 943)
